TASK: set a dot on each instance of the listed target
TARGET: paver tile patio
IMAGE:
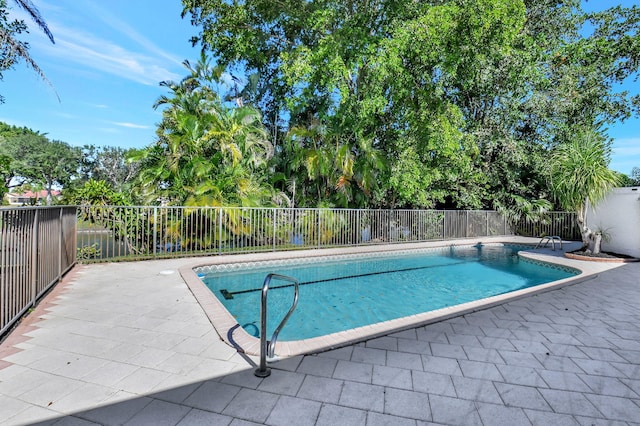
(140, 350)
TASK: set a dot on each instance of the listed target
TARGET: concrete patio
(127, 343)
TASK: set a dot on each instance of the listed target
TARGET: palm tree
(12, 49)
(580, 176)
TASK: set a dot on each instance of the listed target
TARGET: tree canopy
(458, 101)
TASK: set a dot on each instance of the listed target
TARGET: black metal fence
(37, 246)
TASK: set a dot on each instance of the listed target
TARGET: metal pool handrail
(268, 348)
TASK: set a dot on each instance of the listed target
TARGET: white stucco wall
(619, 216)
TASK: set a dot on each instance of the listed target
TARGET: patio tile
(404, 403)
(317, 366)
(414, 346)
(331, 415)
(629, 356)
(569, 402)
(441, 365)
(142, 380)
(482, 354)
(197, 417)
(53, 389)
(590, 421)
(177, 394)
(339, 354)
(72, 421)
(404, 360)
(433, 383)
(212, 396)
(251, 405)
(529, 346)
(521, 376)
(610, 386)
(159, 413)
(448, 351)
(497, 332)
(32, 415)
(377, 419)
(432, 335)
(564, 381)
(476, 390)
(454, 411)
(385, 343)
(116, 414)
(560, 349)
(391, 377)
(321, 389)
(282, 382)
(522, 396)
(615, 408)
(480, 370)
(497, 415)
(496, 343)
(110, 373)
(557, 363)
(409, 334)
(602, 354)
(86, 397)
(353, 371)
(10, 407)
(544, 418)
(598, 368)
(369, 355)
(363, 396)
(294, 412)
(461, 340)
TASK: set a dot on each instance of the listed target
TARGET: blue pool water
(341, 294)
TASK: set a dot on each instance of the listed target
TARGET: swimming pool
(341, 293)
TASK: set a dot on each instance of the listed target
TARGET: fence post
(34, 258)
(466, 228)
(273, 225)
(219, 230)
(155, 231)
(60, 239)
(486, 217)
(444, 225)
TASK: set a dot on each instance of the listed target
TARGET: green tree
(11, 48)
(109, 164)
(207, 153)
(464, 98)
(580, 177)
(37, 160)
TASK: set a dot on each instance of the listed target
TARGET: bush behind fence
(111, 233)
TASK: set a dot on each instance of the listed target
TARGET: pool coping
(231, 333)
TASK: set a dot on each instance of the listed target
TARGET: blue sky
(107, 62)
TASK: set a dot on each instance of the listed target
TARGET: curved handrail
(268, 348)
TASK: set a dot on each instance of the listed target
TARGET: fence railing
(37, 246)
(110, 233)
(562, 224)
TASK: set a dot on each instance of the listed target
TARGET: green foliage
(580, 175)
(461, 100)
(207, 153)
(36, 160)
(95, 193)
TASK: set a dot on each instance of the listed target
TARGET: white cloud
(626, 154)
(81, 47)
(131, 125)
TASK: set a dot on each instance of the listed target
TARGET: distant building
(30, 198)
